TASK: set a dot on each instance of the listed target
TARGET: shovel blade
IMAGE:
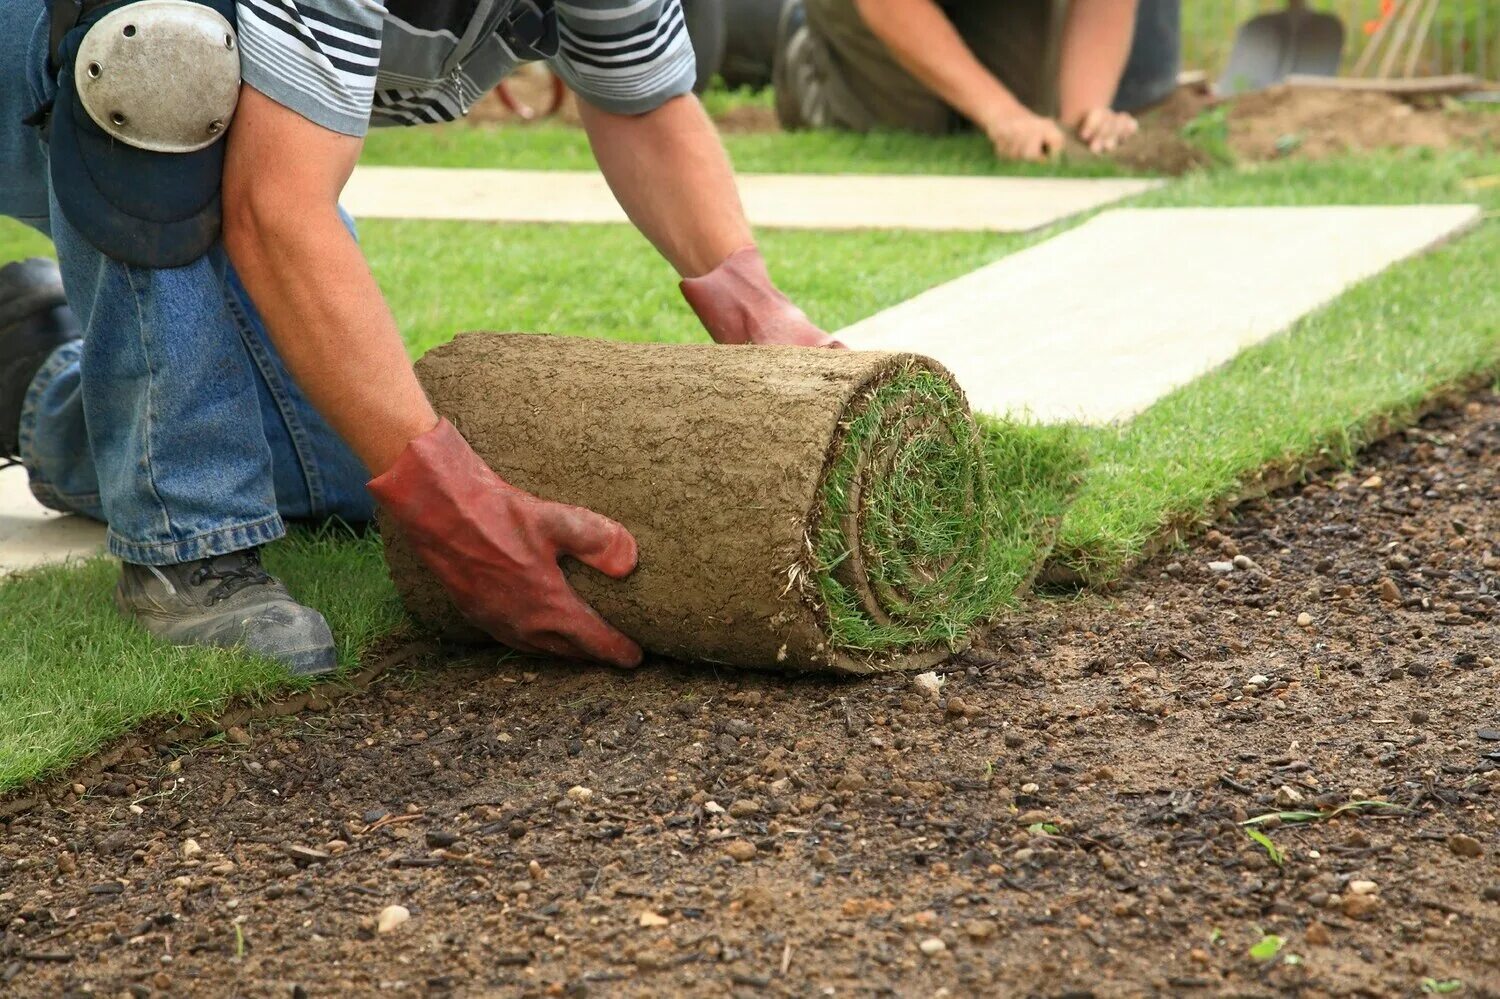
(1271, 47)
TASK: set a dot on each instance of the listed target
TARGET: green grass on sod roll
(951, 517)
(73, 677)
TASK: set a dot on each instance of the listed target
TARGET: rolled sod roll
(795, 509)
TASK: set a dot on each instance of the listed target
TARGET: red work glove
(496, 549)
(737, 303)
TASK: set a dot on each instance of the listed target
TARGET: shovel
(1271, 47)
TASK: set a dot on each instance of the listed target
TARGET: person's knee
(135, 137)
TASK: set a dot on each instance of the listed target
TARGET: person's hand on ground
(1103, 130)
(496, 549)
(1025, 136)
(738, 304)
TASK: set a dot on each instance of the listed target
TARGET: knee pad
(146, 92)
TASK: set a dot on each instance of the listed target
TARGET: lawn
(72, 676)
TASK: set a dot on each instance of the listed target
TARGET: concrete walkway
(1101, 321)
(791, 201)
(32, 535)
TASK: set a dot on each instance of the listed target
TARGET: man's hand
(1103, 130)
(738, 304)
(496, 548)
(1025, 136)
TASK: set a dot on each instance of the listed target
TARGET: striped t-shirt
(348, 64)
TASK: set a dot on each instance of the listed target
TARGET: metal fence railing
(1463, 37)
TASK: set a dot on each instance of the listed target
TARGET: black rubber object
(707, 27)
(34, 321)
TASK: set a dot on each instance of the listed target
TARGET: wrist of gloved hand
(739, 304)
(495, 548)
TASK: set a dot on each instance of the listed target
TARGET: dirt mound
(1192, 128)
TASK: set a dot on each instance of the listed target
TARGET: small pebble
(929, 684)
(580, 794)
(391, 917)
(1360, 906)
(1465, 846)
(189, 849)
(1373, 482)
(740, 850)
(1221, 568)
(933, 946)
(1304, 620)
(981, 929)
(1389, 591)
(651, 920)
(1287, 796)
(237, 736)
(1363, 887)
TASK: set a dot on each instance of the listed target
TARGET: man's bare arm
(310, 282)
(1095, 46)
(495, 548)
(669, 171)
(927, 45)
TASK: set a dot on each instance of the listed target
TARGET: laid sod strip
(1314, 396)
(551, 146)
(74, 676)
(794, 509)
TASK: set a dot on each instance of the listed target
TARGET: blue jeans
(1155, 56)
(173, 420)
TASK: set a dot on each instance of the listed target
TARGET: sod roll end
(795, 509)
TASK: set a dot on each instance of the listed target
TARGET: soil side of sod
(1063, 817)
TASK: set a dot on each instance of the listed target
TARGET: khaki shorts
(837, 74)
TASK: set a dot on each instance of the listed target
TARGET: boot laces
(232, 572)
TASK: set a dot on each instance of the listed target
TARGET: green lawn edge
(62, 645)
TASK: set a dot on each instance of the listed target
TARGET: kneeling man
(214, 357)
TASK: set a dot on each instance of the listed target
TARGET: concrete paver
(1101, 321)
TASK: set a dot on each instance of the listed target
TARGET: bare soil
(1301, 123)
(1062, 818)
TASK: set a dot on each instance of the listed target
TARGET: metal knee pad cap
(161, 75)
(146, 89)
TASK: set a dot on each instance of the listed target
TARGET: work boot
(227, 601)
(34, 321)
